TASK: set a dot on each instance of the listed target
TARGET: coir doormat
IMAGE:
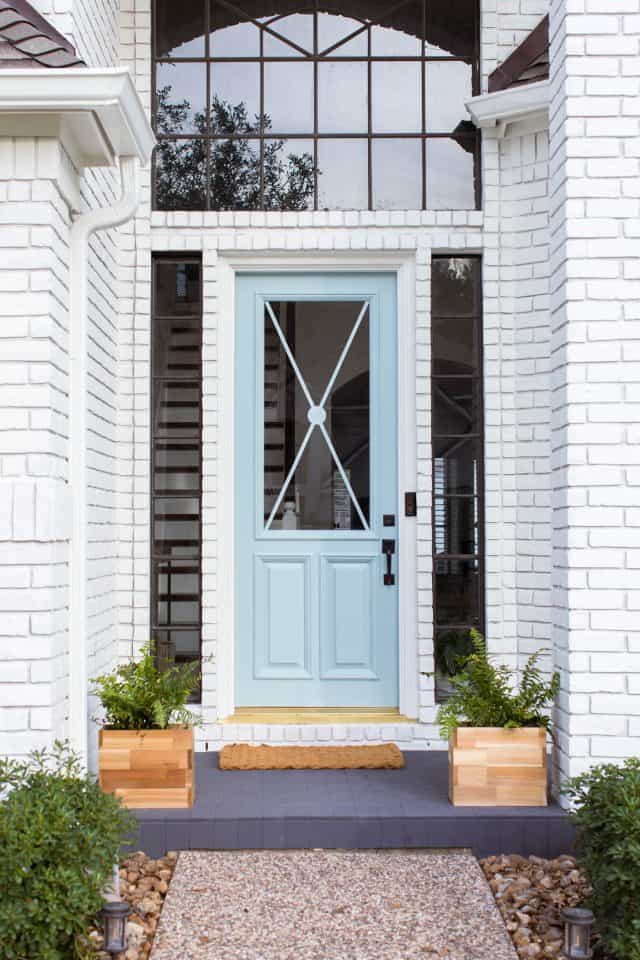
(243, 756)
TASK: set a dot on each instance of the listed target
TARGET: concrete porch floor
(346, 809)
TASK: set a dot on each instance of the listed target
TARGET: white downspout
(81, 230)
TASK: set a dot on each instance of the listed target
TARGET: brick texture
(595, 308)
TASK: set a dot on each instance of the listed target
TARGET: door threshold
(320, 715)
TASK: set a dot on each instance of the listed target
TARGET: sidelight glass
(456, 429)
(176, 458)
(316, 415)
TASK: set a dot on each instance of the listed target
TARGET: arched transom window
(358, 104)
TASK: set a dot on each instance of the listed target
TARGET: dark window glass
(288, 97)
(235, 174)
(343, 99)
(450, 173)
(181, 174)
(180, 28)
(316, 417)
(452, 28)
(235, 97)
(399, 32)
(397, 174)
(182, 89)
(176, 427)
(344, 174)
(457, 431)
(395, 92)
(246, 96)
(447, 87)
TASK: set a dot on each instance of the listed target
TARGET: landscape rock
(531, 895)
(144, 884)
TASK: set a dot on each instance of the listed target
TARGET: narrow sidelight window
(457, 436)
(176, 458)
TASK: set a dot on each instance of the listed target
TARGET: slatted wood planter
(493, 767)
(148, 768)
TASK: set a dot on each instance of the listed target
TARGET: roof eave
(97, 112)
(527, 104)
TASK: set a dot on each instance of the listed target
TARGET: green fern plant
(483, 694)
(146, 695)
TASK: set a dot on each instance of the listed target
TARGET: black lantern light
(577, 933)
(114, 916)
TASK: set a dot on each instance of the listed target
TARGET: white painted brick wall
(505, 24)
(34, 507)
(33, 410)
(524, 290)
(595, 308)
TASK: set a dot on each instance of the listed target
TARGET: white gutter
(81, 230)
(527, 104)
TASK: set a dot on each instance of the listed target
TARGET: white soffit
(523, 107)
(96, 113)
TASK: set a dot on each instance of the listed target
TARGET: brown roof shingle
(528, 62)
(28, 40)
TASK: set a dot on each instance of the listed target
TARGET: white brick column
(595, 317)
(34, 502)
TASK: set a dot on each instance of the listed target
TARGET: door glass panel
(316, 415)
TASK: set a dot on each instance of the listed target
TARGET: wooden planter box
(493, 767)
(147, 768)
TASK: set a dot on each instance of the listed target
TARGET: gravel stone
(531, 894)
(330, 905)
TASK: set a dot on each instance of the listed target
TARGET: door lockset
(388, 549)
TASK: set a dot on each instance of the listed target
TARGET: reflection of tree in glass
(235, 164)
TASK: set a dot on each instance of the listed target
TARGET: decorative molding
(96, 113)
(513, 111)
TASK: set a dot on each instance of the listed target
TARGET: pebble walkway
(330, 905)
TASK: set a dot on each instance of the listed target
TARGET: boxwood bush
(606, 813)
(59, 838)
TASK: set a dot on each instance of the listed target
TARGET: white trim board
(512, 112)
(402, 263)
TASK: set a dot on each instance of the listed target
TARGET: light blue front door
(316, 490)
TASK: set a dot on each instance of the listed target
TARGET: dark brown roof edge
(30, 33)
(531, 48)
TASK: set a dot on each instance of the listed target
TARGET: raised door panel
(282, 648)
(346, 621)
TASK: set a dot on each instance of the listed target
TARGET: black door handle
(388, 549)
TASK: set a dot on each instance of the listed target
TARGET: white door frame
(402, 263)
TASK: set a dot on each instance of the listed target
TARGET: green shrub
(483, 694)
(606, 813)
(59, 838)
(146, 695)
